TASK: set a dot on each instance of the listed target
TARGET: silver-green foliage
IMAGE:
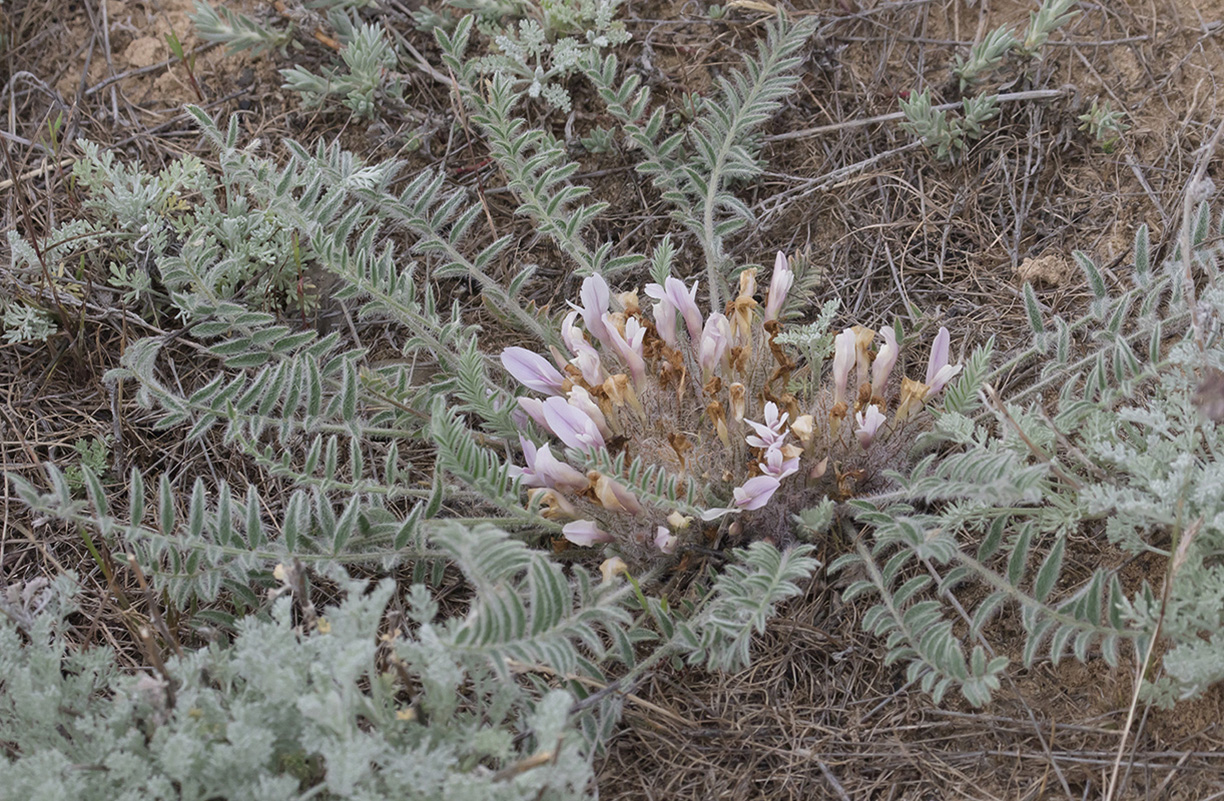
(948, 135)
(696, 166)
(428, 711)
(541, 54)
(366, 84)
(1124, 463)
(168, 236)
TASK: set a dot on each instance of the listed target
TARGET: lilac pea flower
(685, 299)
(571, 425)
(777, 465)
(545, 470)
(769, 433)
(586, 358)
(532, 370)
(588, 363)
(581, 400)
(595, 297)
(713, 343)
(844, 347)
(585, 533)
(664, 314)
(665, 322)
(665, 541)
(557, 474)
(756, 492)
(629, 347)
(939, 372)
(779, 285)
(571, 334)
(869, 422)
(885, 360)
(534, 407)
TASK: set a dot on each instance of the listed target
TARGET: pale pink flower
(532, 370)
(571, 425)
(665, 321)
(571, 334)
(768, 433)
(629, 347)
(756, 492)
(588, 363)
(545, 470)
(665, 541)
(713, 344)
(777, 465)
(779, 285)
(595, 297)
(585, 533)
(844, 347)
(665, 312)
(885, 360)
(939, 372)
(685, 299)
(581, 400)
(535, 410)
(869, 422)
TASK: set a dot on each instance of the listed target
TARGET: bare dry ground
(818, 715)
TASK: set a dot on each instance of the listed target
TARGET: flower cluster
(709, 403)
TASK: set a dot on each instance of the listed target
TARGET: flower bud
(844, 345)
(783, 279)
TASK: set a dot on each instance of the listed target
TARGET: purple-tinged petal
(885, 360)
(571, 334)
(713, 344)
(844, 346)
(665, 322)
(595, 296)
(777, 465)
(769, 433)
(571, 425)
(588, 363)
(554, 473)
(779, 285)
(945, 374)
(756, 492)
(585, 533)
(939, 355)
(869, 422)
(580, 399)
(685, 299)
(532, 370)
(665, 541)
(535, 410)
(629, 347)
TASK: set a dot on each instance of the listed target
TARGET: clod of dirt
(143, 52)
(1051, 269)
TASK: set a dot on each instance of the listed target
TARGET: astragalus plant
(673, 425)
(403, 465)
